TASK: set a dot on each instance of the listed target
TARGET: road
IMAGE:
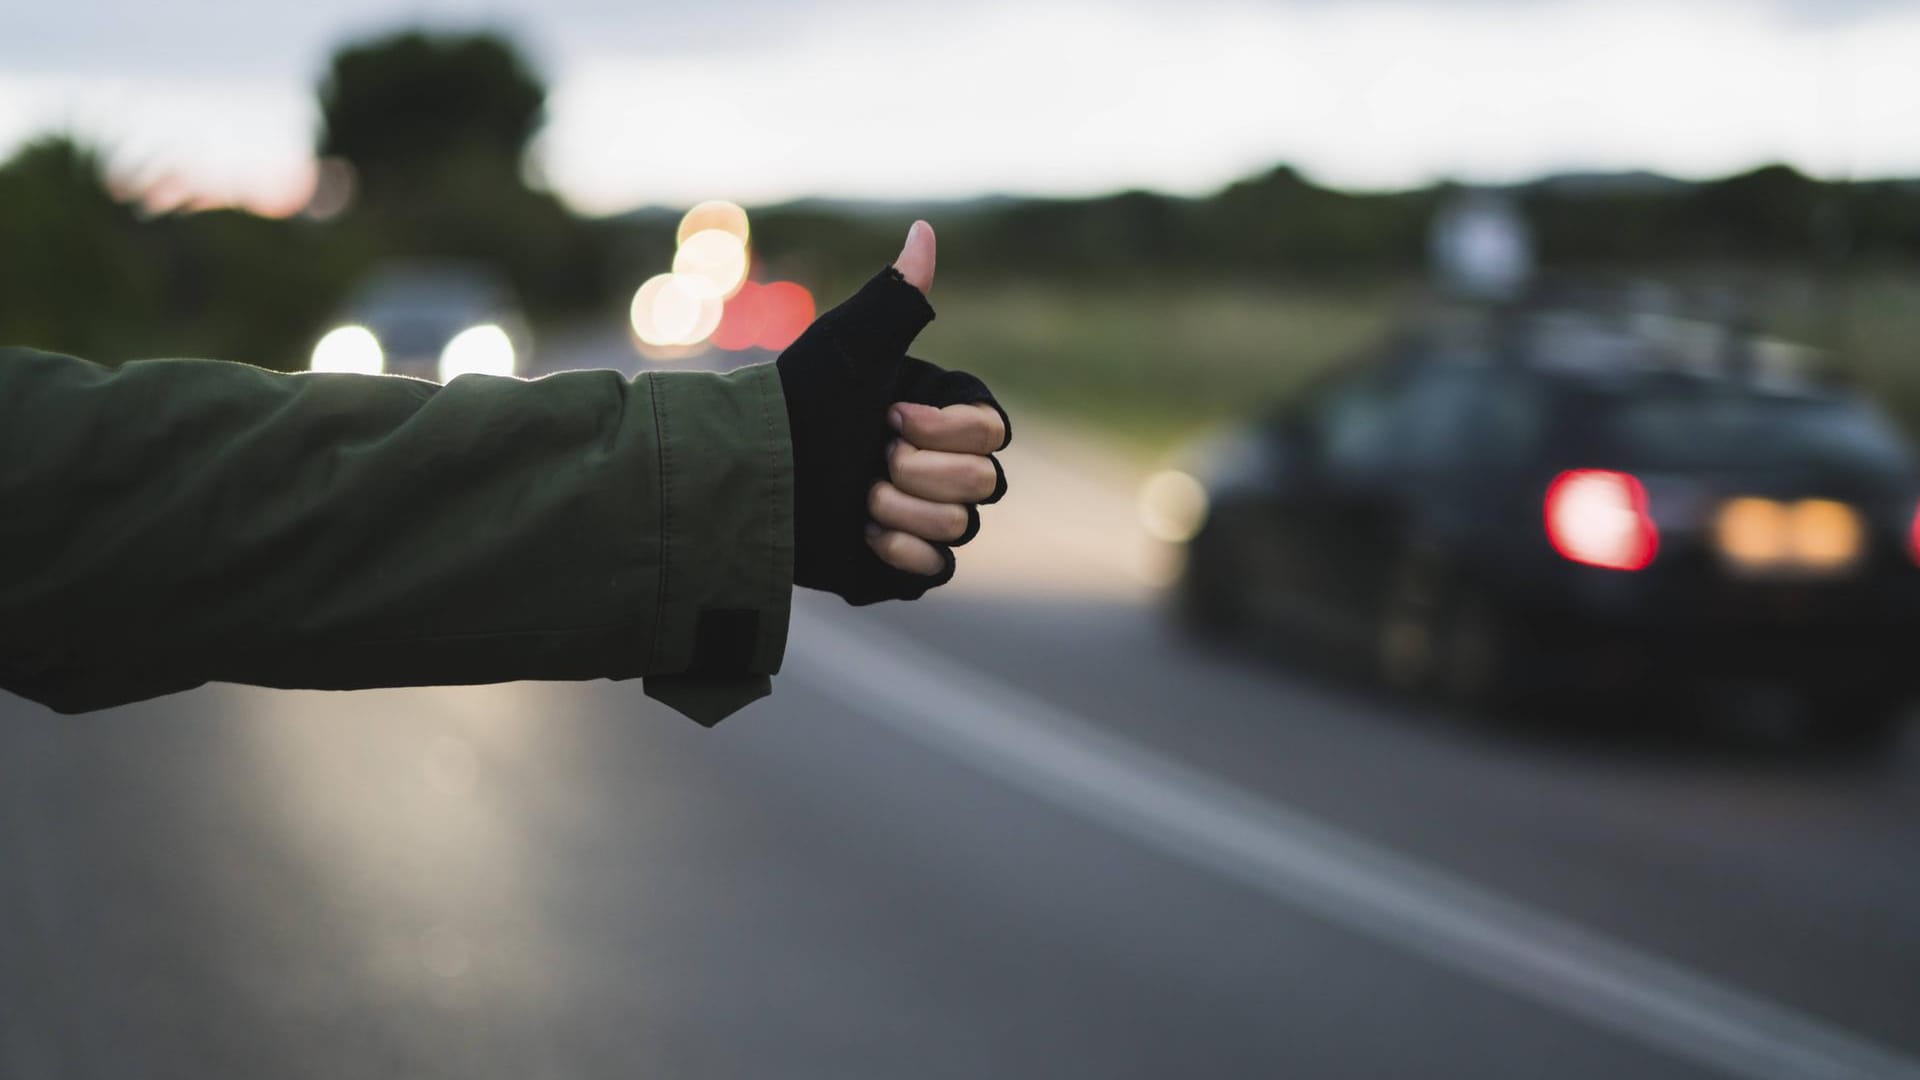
(1021, 828)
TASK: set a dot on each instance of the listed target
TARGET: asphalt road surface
(1019, 829)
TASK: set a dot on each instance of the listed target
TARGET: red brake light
(1599, 518)
(1913, 537)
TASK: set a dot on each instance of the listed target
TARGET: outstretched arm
(178, 521)
(175, 522)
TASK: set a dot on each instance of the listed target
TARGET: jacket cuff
(725, 537)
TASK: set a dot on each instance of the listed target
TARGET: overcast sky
(757, 100)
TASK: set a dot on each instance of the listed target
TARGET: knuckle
(876, 498)
(956, 523)
(987, 431)
(898, 546)
(908, 552)
(984, 479)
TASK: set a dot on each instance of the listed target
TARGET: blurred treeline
(433, 130)
(1282, 224)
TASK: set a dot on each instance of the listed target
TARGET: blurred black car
(1509, 508)
(432, 319)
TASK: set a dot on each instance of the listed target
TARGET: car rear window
(1470, 416)
(1753, 430)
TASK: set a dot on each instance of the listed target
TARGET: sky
(756, 100)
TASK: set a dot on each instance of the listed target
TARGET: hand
(940, 467)
(892, 455)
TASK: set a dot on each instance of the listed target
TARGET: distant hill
(1281, 222)
(1630, 182)
(890, 209)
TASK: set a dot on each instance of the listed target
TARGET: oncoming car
(1507, 509)
(429, 319)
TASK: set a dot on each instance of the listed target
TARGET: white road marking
(1195, 817)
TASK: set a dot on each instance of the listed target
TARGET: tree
(414, 113)
(435, 128)
(76, 275)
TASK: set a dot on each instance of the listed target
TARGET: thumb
(874, 326)
(916, 258)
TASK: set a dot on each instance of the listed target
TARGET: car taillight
(1913, 536)
(1599, 518)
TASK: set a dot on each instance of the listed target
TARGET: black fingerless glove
(839, 378)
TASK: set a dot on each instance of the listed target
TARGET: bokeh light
(708, 299)
(667, 311)
(1752, 532)
(1172, 506)
(741, 322)
(716, 215)
(787, 308)
(1599, 517)
(350, 349)
(1826, 534)
(705, 321)
(334, 182)
(764, 316)
(711, 263)
(1817, 535)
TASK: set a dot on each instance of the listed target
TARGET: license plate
(1807, 538)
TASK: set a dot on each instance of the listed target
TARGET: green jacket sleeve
(172, 522)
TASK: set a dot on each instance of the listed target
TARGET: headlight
(477, 350)
(352, 349)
